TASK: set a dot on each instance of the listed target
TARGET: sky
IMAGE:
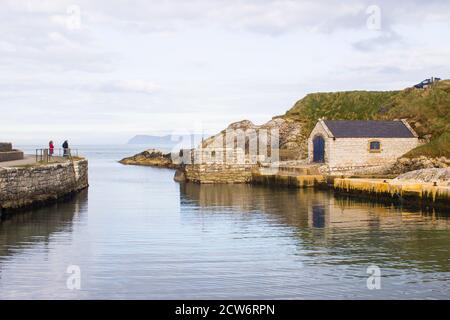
(102, 71)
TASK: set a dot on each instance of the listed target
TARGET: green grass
(428, 111)
(439, 147)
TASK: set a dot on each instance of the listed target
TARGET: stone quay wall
(28, 186)
(7, 153)
(219, 173)
(11, 155)
(5, 146)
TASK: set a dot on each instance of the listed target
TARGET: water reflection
(318, 216)
(22, 230)
(338, 230)
(143, 236)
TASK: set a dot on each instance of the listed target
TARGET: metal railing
(45, 155)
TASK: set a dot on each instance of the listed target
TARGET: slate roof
(368, 129)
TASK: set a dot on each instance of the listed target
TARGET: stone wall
(5, 146)
(219, 173)
(11, 155)
(7, 153)
(235, 156)
(27, 186)
(346, 152)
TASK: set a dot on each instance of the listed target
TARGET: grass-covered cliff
(427, 110)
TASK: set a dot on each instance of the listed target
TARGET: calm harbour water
(138, 234)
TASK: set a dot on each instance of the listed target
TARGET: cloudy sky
(101, 71)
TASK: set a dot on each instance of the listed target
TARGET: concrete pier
(402, 190)
(421, 192)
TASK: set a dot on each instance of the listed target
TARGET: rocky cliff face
(292, 141)
(153, 158)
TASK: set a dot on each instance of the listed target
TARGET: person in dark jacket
(65, 146)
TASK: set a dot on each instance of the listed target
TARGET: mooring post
(46, 155)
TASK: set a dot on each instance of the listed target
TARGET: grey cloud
(379, 41)
(243, 58)
(131, 86)
(271, 17)
(261, 16)
(102, 86)
(38, 36)
(38, 33)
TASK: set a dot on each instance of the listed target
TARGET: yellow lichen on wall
(299, 181)
(389, 188)
(309, 180)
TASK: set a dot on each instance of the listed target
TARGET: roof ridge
(369, 128)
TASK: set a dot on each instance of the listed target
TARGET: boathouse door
(318, 149)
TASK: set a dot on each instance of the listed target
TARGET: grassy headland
(427, 110)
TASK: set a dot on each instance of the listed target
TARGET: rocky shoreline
(429, 185)
(404, 165)
(151, 158)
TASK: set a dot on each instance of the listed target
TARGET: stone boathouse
(345, 145)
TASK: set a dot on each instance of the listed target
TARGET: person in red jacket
(51, 148)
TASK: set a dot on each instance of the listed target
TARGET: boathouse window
(374, 146)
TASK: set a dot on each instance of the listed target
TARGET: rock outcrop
(440, 176)
(292, 141)
(404, 165)
(152, 158)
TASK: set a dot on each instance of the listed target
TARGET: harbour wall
(410, 191)
(219, 173)
(35, 185)
(300, 181)
(421, 193)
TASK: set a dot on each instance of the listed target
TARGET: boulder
(180, 176)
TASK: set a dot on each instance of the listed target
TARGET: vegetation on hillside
(439, 147)
(427, 110)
